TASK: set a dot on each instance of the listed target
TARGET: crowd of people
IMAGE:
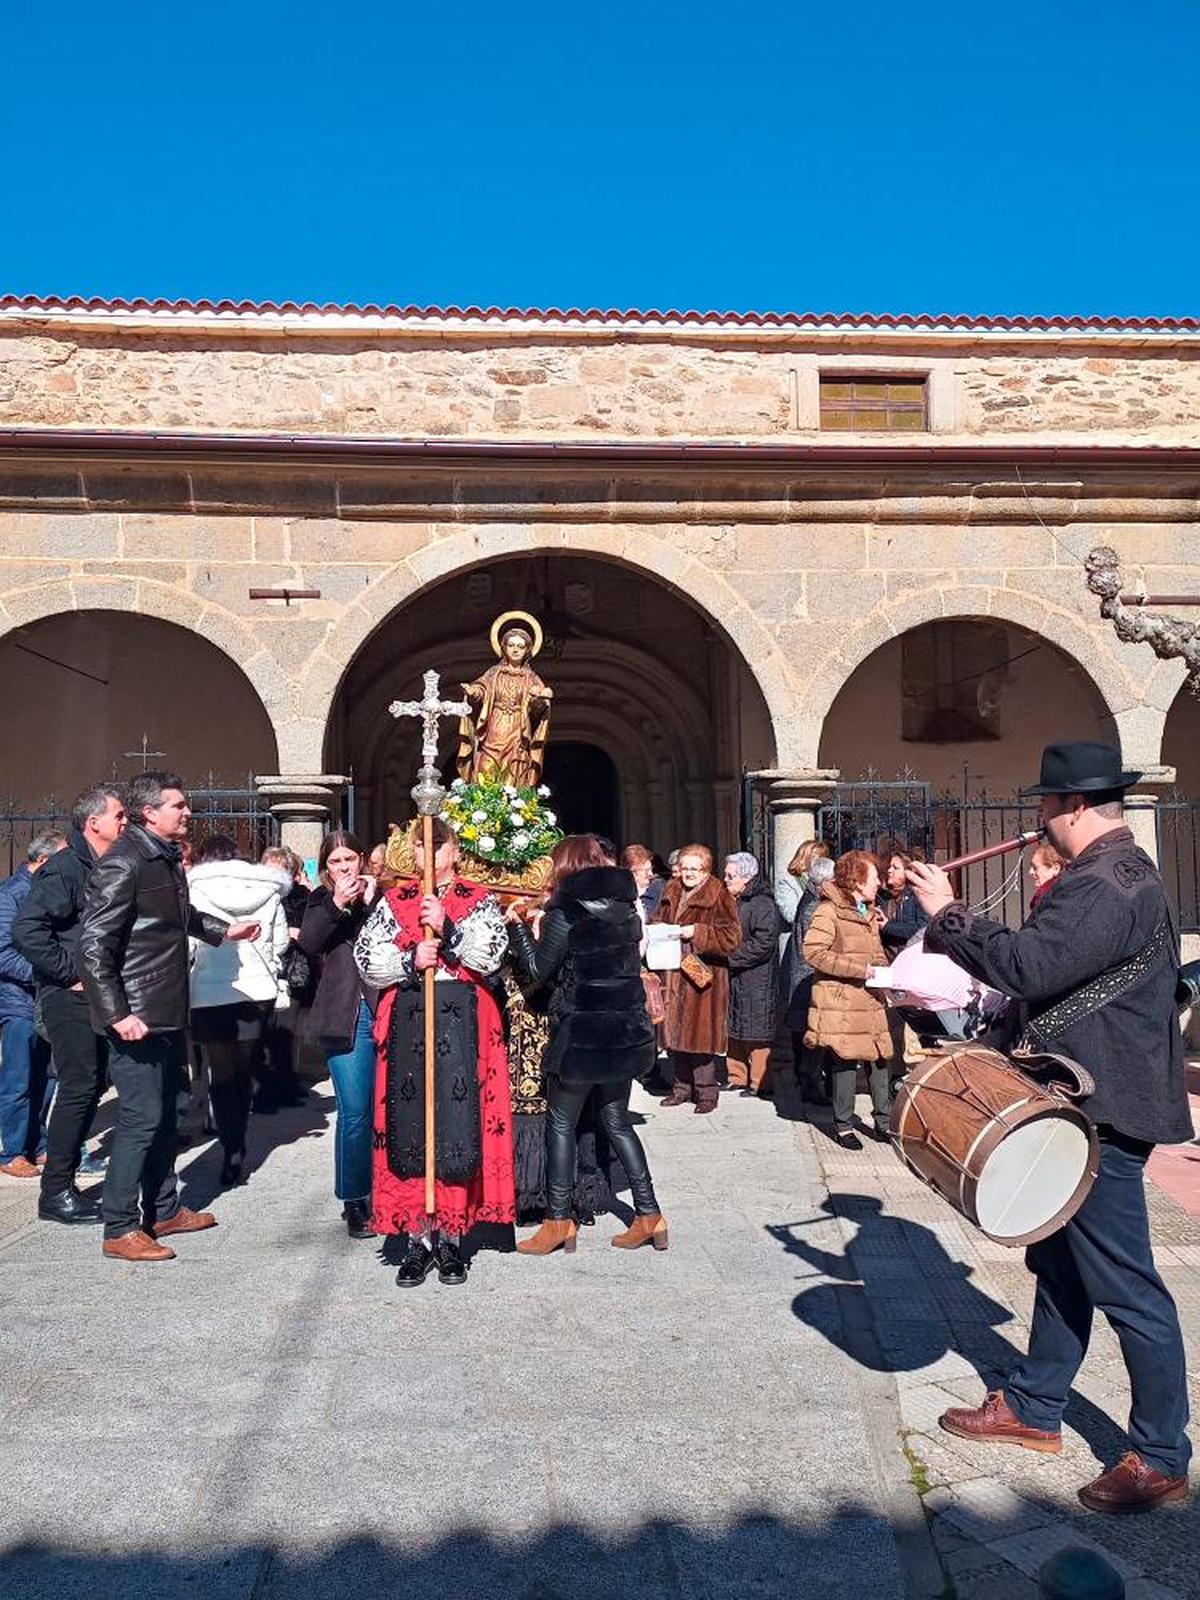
(127, 961)
(192, 979)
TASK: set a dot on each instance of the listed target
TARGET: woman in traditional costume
(474, 1151)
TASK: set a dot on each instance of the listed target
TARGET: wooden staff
(986, 854)
(429, 794)
(429, 977)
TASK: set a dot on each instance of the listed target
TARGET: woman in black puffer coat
(586, 960)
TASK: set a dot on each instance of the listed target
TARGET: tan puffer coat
(845, 1017)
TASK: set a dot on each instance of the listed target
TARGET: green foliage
(499, 823)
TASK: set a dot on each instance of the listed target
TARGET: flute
(972, 856)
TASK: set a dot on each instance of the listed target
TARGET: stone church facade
(798, 546)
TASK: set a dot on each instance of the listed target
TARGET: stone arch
(657, 556)
(1180, 747)
(642, 672)
(123, 684)
(163, 602)
(1082, 644)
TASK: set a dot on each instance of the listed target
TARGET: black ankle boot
(357, 1214)
(233, 1169)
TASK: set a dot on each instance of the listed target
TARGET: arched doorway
(655, 711)
(963, 704)
(90, 695)
(583, 779)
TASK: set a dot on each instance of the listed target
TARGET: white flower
(509, 789)
(486, 844)
(459, 784)
(479, 816)
(544, 791)
(455, 823)
(516, 819)
(520, 840)
(549, 818)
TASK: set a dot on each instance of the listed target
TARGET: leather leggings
(565, 1106)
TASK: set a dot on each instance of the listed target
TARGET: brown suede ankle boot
(554, 1234)
(645, 1230)
(680, 1095)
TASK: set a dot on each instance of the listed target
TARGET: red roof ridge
(575, 315)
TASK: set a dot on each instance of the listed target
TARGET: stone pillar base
(307, 807)
(793, 802)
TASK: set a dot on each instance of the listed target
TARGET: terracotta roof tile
(578, 316)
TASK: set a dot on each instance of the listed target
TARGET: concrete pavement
(270, 1416)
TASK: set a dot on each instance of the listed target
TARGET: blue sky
(1040, 156)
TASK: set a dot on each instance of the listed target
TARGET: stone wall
(753, 386)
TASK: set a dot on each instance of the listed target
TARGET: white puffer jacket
(239, 891)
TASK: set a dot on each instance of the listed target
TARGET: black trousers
(81, 1061)
(140, 1187)
(1102, 1261)
(565, 1103)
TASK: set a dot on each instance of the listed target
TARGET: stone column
(1141, 806)
(307, 807)
(793, 801)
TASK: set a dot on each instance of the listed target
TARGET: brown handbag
(695, 971)
(656, 1006)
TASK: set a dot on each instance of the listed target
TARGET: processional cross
(429, 794)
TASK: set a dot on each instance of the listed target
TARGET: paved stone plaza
(750, 1414)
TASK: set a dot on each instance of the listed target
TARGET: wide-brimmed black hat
(1081, 768)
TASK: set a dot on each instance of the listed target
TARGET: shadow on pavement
(764, 1557)
(199, 1169)
(899, 1302)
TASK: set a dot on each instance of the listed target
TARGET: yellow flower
(470, 833)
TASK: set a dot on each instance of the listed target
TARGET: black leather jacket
(133, 936)
(46, 931)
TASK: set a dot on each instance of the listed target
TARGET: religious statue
(505, 734)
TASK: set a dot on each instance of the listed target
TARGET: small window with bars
(873, 405)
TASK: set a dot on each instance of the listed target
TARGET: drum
(1013, 1158)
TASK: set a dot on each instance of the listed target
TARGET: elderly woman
(809, 1064)
(1045, 864)
(695, 1030)
(753, 975)
(846, 1018)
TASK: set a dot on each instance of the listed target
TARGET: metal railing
(240, 812)
(1178, 826)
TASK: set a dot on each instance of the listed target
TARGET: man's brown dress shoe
(185, 1221)
(1132, 1486)
(680, 1095)
(137, 1246)
(18, 1167)
(994, 1423)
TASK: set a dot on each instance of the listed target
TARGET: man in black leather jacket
(133, 955)
(46, 933)
(1107, 918)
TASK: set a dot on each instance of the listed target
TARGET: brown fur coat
(845, 1016)
(698, 1019)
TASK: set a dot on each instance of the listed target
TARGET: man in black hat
(1108, 916)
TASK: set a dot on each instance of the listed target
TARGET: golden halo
(502, 622)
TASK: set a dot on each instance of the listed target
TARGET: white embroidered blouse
(479, 942)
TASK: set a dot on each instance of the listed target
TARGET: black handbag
(298, 972)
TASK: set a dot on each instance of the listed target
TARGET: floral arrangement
(498, 823)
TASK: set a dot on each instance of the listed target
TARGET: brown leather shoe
(994, 1423)
(644, 1230)
(554, 1234)
(680, 1095)
(185, 1221)
(705, 1105)
(137, 1246)
(1132, 1486)
(18, 1167)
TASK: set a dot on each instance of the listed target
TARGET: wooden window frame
(874, 405)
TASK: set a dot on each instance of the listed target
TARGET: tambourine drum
(1013, 1158)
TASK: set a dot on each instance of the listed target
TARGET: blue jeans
(353, 1074)
(1102, 1260)
(26, 1089)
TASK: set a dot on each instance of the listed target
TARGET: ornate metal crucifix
(429, 794)
(428, 791)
